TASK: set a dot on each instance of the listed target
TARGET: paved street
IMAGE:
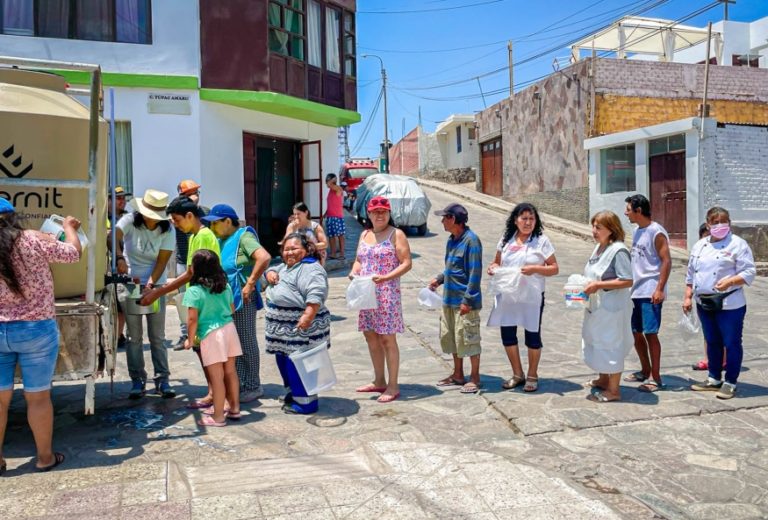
(433, 453)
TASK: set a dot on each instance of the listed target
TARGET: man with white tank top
(651, 265)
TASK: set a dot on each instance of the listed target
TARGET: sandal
(700, 365)
(636, 377)
(450, 381)
(386, 398)
(531, 384)
(650, 387)
(211, 411)
(600, 397)
(235, 416)
(470, 388)
(208, 420)
(199, 404)
(592, 383)
(371, 388)
(514, 382)
(58, 459)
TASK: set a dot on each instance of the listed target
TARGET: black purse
(714, 302)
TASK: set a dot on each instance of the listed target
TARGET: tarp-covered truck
(53, 160)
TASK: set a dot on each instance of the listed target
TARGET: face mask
(720, 231)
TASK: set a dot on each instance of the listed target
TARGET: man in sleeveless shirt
(651, 265)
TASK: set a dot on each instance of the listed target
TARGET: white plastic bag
(689, 324)
(429, 298)
(575, 297)
(513, 286)
(361, 294)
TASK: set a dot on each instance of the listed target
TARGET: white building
(452, 146)
(244, 98)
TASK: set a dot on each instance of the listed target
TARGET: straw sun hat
(152, 204)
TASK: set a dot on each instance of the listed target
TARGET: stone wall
(572, 204)
(452, 176)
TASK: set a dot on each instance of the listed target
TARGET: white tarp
(410, 206)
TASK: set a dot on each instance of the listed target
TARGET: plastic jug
(54, 225)
(315, 368)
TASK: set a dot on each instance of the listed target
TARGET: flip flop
(450, 381)
(650, 387)
(591, 384)
(235, 416)
(600, 397)
(371, 388)
(208, 420)
(384, 398)
(58, 458)
(700, 365)
(470, 388)
(198, 404)
(531, 384)
(211, 411)
(635, 377)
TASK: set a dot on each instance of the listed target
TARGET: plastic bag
(575, 297)
(429, 298)
(361, 294)
(513, 286)
(689, 324)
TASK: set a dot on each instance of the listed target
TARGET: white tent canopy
(651, 36)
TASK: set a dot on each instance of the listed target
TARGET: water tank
(44, 135)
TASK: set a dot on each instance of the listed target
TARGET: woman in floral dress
(384, 254)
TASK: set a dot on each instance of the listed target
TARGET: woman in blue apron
(244, 260)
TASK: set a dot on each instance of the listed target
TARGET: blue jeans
(134, 351)
(723, 329)
(34, 345)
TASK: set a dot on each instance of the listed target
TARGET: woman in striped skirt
(296, 317)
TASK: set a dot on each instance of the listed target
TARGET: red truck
(351, 176)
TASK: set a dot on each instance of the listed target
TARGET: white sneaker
(251, 395)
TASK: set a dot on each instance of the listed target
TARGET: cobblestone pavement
(433, 453)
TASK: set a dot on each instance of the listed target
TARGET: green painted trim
(119, 79)
(282, 105)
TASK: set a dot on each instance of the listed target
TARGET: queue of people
(225, 268)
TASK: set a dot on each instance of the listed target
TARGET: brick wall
(404, 156)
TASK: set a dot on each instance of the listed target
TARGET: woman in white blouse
(718, 268)
(525, 247)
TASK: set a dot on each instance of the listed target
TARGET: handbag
(714, 302)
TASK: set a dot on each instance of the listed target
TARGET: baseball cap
(120, 192)
(187, 187)
(378, 203)
(220, 211)
(457, 211)
(6, 206)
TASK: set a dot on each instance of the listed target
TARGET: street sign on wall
(169, 103)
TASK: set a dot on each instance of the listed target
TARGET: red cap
(379, 203)
(188, 187)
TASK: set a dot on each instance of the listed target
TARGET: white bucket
(54, 225)
(315, 368)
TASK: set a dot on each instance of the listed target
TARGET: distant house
(535, 141)
(244, 97)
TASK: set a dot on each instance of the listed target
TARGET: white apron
(607, 329)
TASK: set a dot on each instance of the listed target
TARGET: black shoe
(121, 341)
(164, 389)
(138, 389)
(180, 344)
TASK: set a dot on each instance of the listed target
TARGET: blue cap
(6, 206)
(220, 211)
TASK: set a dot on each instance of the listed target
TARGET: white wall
(469, 155)
(738, 38)
(175, 45)
(221, 147)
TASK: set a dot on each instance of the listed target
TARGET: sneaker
(251, 395)
(727, 391)
(164, 389)
(180, 344)
(138, 389)
(710, 385)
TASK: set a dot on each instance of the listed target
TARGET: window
(124, 21)
(332, 51)
(458, 139)
(286, 28)
(471, 133)
(617, 169)
(314, 34)
(672, 143)
(123, 155)
(349, 44)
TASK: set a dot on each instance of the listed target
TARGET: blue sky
(416, 48)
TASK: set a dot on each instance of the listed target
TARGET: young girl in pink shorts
(209, 318)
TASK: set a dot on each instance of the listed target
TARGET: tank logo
(9, 164)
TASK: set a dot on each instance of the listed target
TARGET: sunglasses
(378, 204)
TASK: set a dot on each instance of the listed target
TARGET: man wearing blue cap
(244, 260)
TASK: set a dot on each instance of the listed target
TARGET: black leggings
(532, 339)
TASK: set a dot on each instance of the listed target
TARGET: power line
(434, 9)
(369, 124)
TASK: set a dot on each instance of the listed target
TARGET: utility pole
(704, 105)
(385, 152)
(511, 73)
(725, 7)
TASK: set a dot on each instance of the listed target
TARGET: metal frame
(93, 146)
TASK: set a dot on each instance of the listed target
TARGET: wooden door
(491, 167)
(668, 196)
(250, 178)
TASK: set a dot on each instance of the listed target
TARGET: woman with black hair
(296, 317)
(523, 246)
(29, 336)
(303, 223)
(149, 244)
(209, 318)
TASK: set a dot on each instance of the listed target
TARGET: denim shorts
(646, 316)
(34, 345)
